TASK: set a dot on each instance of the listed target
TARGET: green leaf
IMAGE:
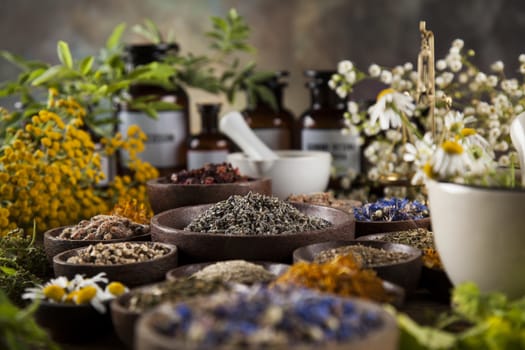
(8, 270)
(114, 39)
(64, 55)
(86, 64)
(21, 62)
(266, 95)
(48, 75)
(416, 337)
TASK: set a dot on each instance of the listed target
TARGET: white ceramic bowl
(479, 234)
(294, 172)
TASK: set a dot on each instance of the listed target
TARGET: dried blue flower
(393, 209)
(291, 316)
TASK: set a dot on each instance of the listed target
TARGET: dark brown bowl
(164, 195)
(124, 320)
(363, 228)
(54, 245)
(188, 270)
(405, 274)
(133, 274)
(203, 247)
(67, 323)
(386, 337)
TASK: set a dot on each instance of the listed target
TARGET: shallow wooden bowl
(67, 323)
(54, 245)
(194, 247)
(133, 274)
(385, 338)
(405, 274)
(363, 228)
(164, 195)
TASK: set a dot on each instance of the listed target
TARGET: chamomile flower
(55, 290)
(456, 121)
(450, 160)
(78, 291)
(390, 103)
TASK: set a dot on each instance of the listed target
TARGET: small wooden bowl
(195, 247)
(133, 274)
(67, 323)
(54, 245)
(188, 270)
(363, 228)
(405, 274)
(164, 195)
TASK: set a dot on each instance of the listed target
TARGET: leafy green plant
(492, 322)
(18, 329)
(22, 264)
(96, 81)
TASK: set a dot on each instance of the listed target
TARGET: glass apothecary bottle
(210, 145)
(320, 126)
(165, 147)
(273, 126)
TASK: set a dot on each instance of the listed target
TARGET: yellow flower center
(70, 298)
(54, 292)
(116, 288)
(452, 147)
(85, 295)
(384, 92)
(427, 169)
(468, 132)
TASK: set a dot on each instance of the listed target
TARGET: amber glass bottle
(210, 145)
(273, 126)
(320, 126)
(167, 134)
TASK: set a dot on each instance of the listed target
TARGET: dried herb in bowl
(209, 174)
(254, 214)
(367, 257)
(118, 253)
(104, 227)
(235, 271)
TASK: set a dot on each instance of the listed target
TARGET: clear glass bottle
(273, 126)
(210, 145)
(167, 134)
(320, 126)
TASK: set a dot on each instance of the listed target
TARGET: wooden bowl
(132, 274)
(363, 228)
(188, 270)
(124, 320)
(164, 195)
(386, 337)
(68, 323)
(194, 247)
(405, 274)
(54, 245)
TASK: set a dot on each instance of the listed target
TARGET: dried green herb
(254, 214)
(22, 264)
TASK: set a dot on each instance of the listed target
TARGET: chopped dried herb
(254, 214)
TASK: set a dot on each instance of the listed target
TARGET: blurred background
(291, 35)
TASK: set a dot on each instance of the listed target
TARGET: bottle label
(197, 159)
(166, 136)
(274, 138)
(345, 149)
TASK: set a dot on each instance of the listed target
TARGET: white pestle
(235, 127)
(517, 135)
